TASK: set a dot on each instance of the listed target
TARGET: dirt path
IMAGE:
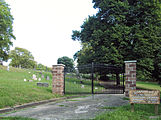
(73, 109)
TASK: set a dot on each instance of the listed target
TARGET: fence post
(130, 76)
(58, 79)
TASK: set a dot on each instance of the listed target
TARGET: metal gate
(94, 79)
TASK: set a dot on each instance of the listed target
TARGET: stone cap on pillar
(59, 65)
(130, 61)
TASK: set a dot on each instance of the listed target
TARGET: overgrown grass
(142, 111)
(15, 91)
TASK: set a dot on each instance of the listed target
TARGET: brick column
(130, 76)
(58, 79)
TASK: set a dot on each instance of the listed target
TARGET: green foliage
(68, 62)
(22, 57)
(157, 71)
(122, 30)
(6, 31)
(42, 67)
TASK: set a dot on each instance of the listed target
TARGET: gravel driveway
(73, 109)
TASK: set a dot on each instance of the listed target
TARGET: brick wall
(58, 79)
(130, 76)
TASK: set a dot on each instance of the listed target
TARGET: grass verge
(15, 118)
(142, 112)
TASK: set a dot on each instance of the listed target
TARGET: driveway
(73, 109)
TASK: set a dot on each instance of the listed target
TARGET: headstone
(82, 86)
(42, 76)
(81, 82)
(47, 78)
(25, 80)
(96, 88)
(34, 77)
(39, 79)
(8, 68)
(43, 84)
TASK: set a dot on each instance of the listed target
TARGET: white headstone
(34, 77)
(82, 86)
(96, 88)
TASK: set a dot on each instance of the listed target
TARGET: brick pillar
(130, 74)
(58, 79)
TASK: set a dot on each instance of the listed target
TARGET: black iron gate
(95, 79)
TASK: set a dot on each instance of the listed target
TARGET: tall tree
(22, 57)
(6, 30)
(68, 62)
(122, 30)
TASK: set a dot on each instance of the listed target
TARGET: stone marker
(42, 76)
(82, 86)
(43, 84)
(34, 76)
(47, 78)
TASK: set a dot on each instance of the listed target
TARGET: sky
(44, 27)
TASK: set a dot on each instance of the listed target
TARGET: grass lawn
(148, 85)
(142, 111)
(15, 91)
(73, 85)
